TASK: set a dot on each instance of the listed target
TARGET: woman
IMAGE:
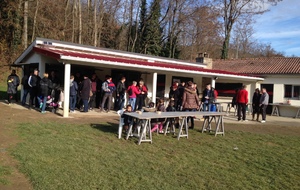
(190, 100)
(255, 104)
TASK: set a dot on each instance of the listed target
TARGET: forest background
(170, 28)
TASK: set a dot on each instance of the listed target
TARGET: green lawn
(60, 156)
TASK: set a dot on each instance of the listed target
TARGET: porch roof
(91, 56)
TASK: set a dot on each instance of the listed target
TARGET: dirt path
(11, 115)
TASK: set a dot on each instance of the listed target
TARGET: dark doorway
(129, 75)
(161, 84)
(270, 88)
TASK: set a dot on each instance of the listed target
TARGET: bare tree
(232, 10)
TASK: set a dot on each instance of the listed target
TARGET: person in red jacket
(242, 101)
(132, 91)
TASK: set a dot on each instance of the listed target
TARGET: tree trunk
(66, 19)
(25, 25)
(35, 20)
(80, 22)
(95, 24)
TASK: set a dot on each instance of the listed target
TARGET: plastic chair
(121, 123)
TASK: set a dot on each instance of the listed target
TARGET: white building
(281, 78)
(157, 72)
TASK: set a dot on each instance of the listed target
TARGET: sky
(280, 27)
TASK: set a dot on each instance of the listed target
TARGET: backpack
(130, 91)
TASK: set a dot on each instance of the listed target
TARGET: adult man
(208, 97)
(120, 94)
(263, 103)
(26, 88)
(108, 87)
(242, 101)
(13, 82)
(85, 88)
(34, 82)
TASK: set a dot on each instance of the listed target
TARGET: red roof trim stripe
(47, 53)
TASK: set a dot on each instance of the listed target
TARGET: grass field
(62, 156)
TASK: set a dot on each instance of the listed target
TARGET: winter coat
(121, 88)
(190, 99)
(85, 89)
(108, 87)
(45, 86)
(264, 99)
(34, 81)
(24, 82)
(210, 93)
(256, 98)
(134, 91)
(242, 96)
(13, 82)
(73, 88)
(174, 93)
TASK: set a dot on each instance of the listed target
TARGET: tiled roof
(260, 66)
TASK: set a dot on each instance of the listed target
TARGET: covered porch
(157, 72)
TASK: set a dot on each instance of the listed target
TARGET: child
(159, 122)
(149, 108)
(127, 119)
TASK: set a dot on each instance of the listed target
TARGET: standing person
(255, 104)
(242, 101)
(85, 89)
(34, 82)
(26, 88)
(94, 83)
(56, 85)
(263, 103)
(140, 99)
(73, 93)
(13, 82)
(174, 94)
(132, 93)
(121, 94)
(208, 97)
(181, 91)
(190, 101)
(44, 89)
(108, 87)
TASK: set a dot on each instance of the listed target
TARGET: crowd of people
(260, 100)
(87, 93)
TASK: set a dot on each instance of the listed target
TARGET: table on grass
(145, 120)
(275, 110)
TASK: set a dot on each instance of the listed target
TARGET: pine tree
(154, 30)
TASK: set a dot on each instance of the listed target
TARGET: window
(291, 91)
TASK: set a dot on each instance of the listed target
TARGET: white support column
(154, 87)
(67, 90)
(213, 82)
(42, 68)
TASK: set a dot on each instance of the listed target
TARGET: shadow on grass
(107, 128)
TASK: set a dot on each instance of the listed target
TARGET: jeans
(132, 103)
(120, 101)
(25, 93)
(241, 110)
(109, 96)
(72, 102)
(85, 105)
(206, 107)
(264, 111)
(44, 101)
